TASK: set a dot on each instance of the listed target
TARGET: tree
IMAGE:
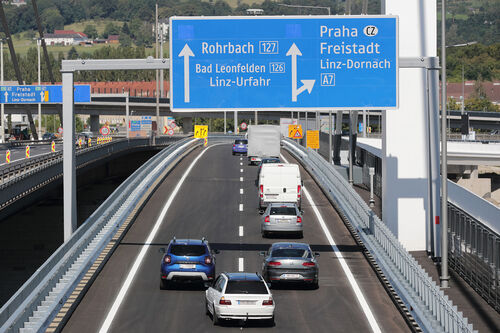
(125, 40)
(91, 31)
(125, 29)
(52, 19)
(110, 29)
(72, 53)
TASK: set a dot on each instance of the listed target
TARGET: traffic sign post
(312, 139)
(295, 132)
(104, 130)
(60, 130)
(200, 131)
(41, 94)
(283, 63)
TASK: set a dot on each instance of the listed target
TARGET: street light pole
(158, 126)
(38, 43)
(444, 278)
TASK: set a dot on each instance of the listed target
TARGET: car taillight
(298, 191)
(267, 219)
(299, 219)
(274, 263)
(234, 146)
(167, 260)
(308, 264)
(261, 191)
(224, 301)
(268, 302)
(208, 260)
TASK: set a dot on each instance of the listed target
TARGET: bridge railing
(474, 242)
(431, 308)
(61, 272)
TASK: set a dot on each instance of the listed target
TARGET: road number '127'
(268, 47)
(200, 131)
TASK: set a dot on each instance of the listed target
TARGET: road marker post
(7, 157)
(27, 152)
(53, 146)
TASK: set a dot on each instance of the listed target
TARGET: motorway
(217, 198)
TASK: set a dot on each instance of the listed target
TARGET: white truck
(263, 141)
(280, 182)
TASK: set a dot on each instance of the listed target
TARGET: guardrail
(31, 308)
(431, 308)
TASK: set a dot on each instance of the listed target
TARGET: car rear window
(237, 142)
(271, 161)
(245, 287)
(187, 250)
(290, 253)
(283, 211)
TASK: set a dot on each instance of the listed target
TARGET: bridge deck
(207, 204)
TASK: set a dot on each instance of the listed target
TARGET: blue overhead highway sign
(41, 94)
(283, 63)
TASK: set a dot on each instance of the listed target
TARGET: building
(113, 39)
(456, 90)
(65, 37)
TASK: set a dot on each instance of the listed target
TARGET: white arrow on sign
(186, 53)
(42, 95)
(307, 84)
(6, 97)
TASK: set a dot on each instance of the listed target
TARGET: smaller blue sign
(41, 94)
(135, 125)
(360, 127)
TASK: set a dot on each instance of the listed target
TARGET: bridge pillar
(94, 123)
(187, 125)
(405, 144)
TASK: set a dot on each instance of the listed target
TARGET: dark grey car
(290, 262)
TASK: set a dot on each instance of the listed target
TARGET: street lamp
(1, 83)
(38, 44)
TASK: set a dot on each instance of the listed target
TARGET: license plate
(245, 302)
(283, 221)
(187, 266)
(291, 276)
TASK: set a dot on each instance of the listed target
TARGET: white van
(279, 182)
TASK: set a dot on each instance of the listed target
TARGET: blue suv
(187, 260)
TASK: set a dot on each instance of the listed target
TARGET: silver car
(282, 218)
(290, 262)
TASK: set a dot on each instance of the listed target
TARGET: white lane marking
(241, 179)
(241, 264)
(241, 207)
(241, 231)
(241, 170)
(138, 261)
(241, 191)
(241, 158)
(352, 281)
(241, 163)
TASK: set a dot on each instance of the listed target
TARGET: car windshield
(239, 142)
(283, 211)
(245, 287)
(187, 250)
(291, 253)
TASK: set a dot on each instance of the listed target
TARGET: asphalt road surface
(19, 153)
(217, 197)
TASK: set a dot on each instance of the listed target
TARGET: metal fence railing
(430, 307)
(474, 254)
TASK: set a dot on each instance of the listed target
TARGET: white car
(242, 296)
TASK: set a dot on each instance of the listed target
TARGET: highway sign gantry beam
(283, 63)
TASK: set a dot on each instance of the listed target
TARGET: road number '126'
(268, 47)
(200, 131)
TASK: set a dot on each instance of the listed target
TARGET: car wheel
(300, 234)
(315, 285)
(215, 319)
(163, 284)
(271, 322)
(233, 153)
